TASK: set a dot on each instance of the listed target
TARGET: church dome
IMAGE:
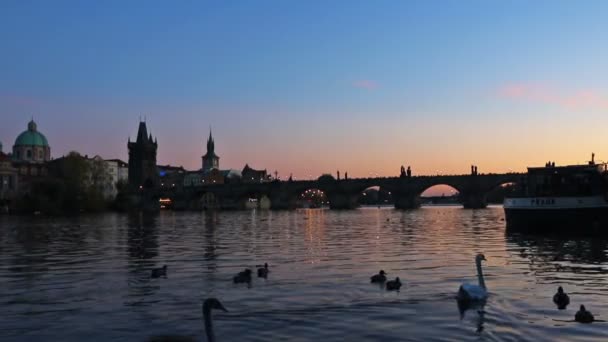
(31, 137)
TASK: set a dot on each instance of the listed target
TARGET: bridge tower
(142, 160)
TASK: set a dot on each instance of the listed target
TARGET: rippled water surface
(88, 278)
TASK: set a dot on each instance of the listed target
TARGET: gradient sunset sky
(308, 87)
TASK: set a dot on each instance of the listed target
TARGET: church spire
(210, 143)
(142, 132)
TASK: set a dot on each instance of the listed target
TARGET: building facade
(118, 170)
(9, 180)
(250, 175)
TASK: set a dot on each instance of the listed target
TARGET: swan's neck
(482, 283)
(208, 324)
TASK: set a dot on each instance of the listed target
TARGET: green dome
(31, 137)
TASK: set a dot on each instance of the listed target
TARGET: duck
(208, 305)
(472, 292)
(583, 316)
(561, 299)
(393, 284)
(263, 271)
(379, 278)
(159, 272)
(243, 277)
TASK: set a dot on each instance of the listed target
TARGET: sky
(312, 87)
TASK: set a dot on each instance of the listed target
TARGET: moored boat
(560, 199)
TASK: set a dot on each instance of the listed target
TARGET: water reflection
(558, 250)
(477, 307)
(74, 274)
(211, 221)
(142, 247)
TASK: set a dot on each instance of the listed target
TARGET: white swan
(210, 303)
(471, 292)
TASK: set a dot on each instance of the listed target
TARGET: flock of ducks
(467, 295)
(391, 285)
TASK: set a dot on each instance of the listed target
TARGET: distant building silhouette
(142, 160)
(210, 159)
(250, 175)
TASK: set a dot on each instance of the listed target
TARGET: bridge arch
(375, 195)
(497, 194)
(310, 198)
(440, 194)
(426, 186)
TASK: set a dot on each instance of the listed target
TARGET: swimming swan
(210, 303)
(471, 292)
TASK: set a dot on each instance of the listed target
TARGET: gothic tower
(210, 160)
(142, 160)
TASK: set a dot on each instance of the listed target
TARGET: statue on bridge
(345, 175)
(338, 173)
(405, 173)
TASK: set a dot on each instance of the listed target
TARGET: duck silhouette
(561, 299)
(379, 278)
(263, 271)
(584, 316)
(393, 284)
(242, 277)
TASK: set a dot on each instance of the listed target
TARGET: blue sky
(312, 86)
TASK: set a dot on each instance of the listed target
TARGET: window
(29, 154)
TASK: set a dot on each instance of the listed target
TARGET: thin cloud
(365, 84)
(578, 99)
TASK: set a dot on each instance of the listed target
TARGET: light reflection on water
(89, 278)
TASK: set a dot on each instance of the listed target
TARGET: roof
(231, 173)
(171, 167)
(119, 162)
(31, 137)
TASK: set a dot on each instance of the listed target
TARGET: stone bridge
(342, 194)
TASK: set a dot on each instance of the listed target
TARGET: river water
(88, 278)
